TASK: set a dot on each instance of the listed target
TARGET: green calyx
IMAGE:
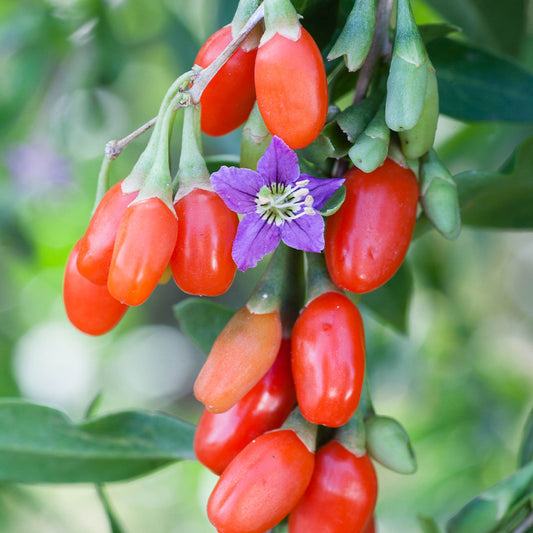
(356, 37)
(305, 430)
(439, 197)
(353, 434)
(418, 140)
(282, 18)
(192, 172)
(406, 84)
(388, 443)
(245, 10)
(255, 139)
(371, 147)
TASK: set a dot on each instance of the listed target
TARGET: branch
(201, 79)
(380, 47)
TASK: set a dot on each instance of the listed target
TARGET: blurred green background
(75, 74)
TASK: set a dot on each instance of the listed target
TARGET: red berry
(220, 437)
(328, 359)
(368, 237)
(241, 355)
(291, 88)
(262, 484)
(145, 239)
(229, 97)
(201, 262)
(341, 495)
(89, 307)
(96, 246)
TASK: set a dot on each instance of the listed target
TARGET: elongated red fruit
(201, 262)
(145, 240)
(328, 359)
(341, 495)
(89, 307)
(262, 484)
(220, 437)
(291, 88)
(229, 97)
(241, 355)
(367, 239)
(96, 246)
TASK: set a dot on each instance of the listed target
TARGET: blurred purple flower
(278, 202)
(37, 169)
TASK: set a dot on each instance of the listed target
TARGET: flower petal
(238, 187)
(321, 189)
(279, 164)
(304, 233)
(255, 238)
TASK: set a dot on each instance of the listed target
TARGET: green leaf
(526, 447)
(391, 301)
(427, 524)
(202, 320)
(492, 23)
(430, 32)
(355, 118)
(42, 445)
(477, 85)
(488, 511)
(214, 162)
(334, 202)
(497, 200)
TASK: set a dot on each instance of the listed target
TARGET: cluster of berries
(286, 376)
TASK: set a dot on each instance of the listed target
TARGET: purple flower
(278, 202)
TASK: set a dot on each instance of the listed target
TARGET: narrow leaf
(42, 445)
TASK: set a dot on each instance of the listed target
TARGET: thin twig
(206, 75)
(380, 47)
(201, 80)
(113, 148)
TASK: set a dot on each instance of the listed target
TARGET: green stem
(365, 403)
(317, 277)
(158, 181)
(293, 292)
(192, 168)
(144, 164)
(268, 294)
(103, 181)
